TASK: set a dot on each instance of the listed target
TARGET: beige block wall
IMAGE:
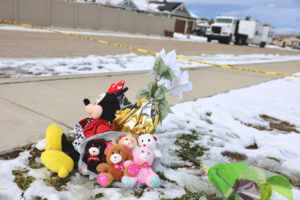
(142, 24)
(34, 11)
(155, 26)
(169, 24)
(127, 21)
(82, 15)
(109, 19)
(87, 15)
(62, 14)
(7, 9)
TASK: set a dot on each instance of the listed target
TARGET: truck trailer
(248, 32)
(228, 29)
(267, 35)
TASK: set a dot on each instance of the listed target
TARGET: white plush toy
(150, 141)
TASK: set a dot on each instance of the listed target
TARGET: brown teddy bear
(113, 170)
(94, 153)
(128, 140)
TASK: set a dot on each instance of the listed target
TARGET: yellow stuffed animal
(54, 158)
(53, 137)
(58, 162)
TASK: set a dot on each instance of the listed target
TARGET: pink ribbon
(144, 165)
(119, 166)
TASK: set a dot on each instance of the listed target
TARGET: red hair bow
(116, 87)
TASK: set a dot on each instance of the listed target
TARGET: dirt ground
(21, 44)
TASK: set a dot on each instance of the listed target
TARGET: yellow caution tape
(143, 50)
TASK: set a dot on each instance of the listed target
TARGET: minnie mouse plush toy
(102, 113)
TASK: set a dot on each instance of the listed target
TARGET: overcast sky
(283, 14)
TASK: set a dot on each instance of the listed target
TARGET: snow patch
(25, 67)
(41, 145)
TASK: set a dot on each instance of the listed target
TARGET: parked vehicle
(249, 32)
(228, 29)
(200, 28)
(222, 30)
(267, 36)
(200, 32)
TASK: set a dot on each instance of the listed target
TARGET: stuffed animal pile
(109, 156)
(61, 155)
(127, 162)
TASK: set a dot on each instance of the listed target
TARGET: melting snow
(25, 67)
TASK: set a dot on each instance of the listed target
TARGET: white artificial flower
(167, 83)
(162, 53)
(181, 84)
(170, 60)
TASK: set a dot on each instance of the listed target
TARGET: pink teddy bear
(139, 170)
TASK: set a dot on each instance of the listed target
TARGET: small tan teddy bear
(113, 170)
(128, 140)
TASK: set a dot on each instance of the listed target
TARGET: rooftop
(169, 6)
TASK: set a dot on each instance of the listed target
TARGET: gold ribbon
(135, 121)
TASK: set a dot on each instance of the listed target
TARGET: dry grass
(274, 124)
(234, 156)
(35, 153)
(21, 179)
(15, 152)
(56, 182)
(252, 146)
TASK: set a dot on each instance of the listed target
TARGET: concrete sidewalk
(29, 105)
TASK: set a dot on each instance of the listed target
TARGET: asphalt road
(25, 44)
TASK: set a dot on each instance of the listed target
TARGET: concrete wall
(33, 11)
(8, 9)
(60, 13)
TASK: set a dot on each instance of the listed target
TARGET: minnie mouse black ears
(114, 95)
(122, 91)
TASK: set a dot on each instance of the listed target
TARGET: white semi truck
(222, 30)
(228, 29)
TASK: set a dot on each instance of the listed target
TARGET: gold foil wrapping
(140, 120)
